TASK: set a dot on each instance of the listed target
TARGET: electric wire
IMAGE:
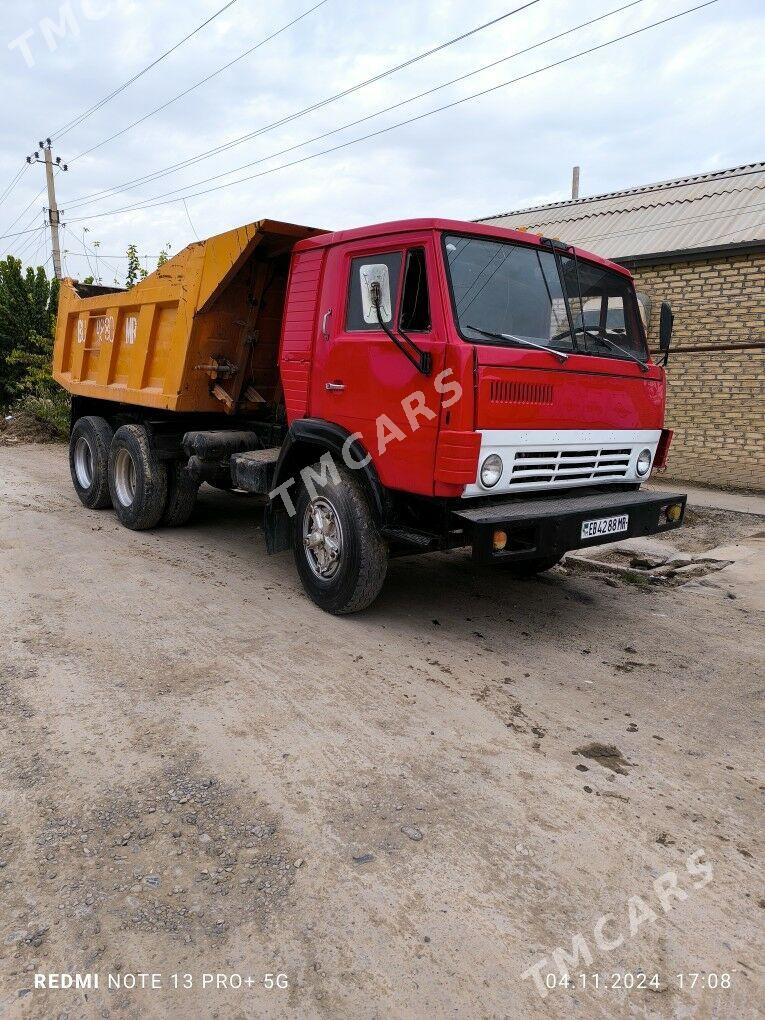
(164, 199)
(28, 244)
(76, 121)
(15, 180)
(22, 213)
(196, 85)
(208, 153)
(88, 250)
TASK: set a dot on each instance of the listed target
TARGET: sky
(682, 98)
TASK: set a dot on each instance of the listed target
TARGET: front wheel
(530, 568)
(340, 555)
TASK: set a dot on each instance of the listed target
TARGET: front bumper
(545, 527)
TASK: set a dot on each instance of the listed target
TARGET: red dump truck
(395, 389)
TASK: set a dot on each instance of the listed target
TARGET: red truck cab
(343, 368)
(493, 388)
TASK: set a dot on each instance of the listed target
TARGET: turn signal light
(500, 540)
(674, 512)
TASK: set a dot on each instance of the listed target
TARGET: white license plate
(605, 526)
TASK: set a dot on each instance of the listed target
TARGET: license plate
(605, 526)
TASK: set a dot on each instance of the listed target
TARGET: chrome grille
(592, 463)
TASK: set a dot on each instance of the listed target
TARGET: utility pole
(54, 215)
(575, 183)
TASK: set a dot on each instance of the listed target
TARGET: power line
(40, 245)
(110, 255)
(165, 200)
(76, 121)
(88, 250)
(27, 229)
(202, 81)
(18, 233)
(188, 217)
(28, 244)
(412, 99)
(23, 212)
(16, 178)
(154, 175)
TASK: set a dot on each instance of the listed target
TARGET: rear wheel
(530, 568)
(341, 557)
(181, 496)
(89, 461)
(137, 479)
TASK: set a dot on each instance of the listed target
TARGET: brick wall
(715, 399)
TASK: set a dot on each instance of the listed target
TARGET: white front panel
(537, 460)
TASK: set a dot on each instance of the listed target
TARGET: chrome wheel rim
(322, 538)
(124, 477)
(83, 462)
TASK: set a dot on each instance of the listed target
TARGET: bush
(28, 301)
(41, 418)
(39, 408)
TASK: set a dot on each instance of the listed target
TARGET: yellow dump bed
(199, 334)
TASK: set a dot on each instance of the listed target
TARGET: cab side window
(415, 303)
(384, 269)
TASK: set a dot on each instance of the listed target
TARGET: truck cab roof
(437, 223)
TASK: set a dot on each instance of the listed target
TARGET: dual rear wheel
(121, 469)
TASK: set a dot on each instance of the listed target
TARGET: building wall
(715, 399)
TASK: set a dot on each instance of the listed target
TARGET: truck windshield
(520, 291)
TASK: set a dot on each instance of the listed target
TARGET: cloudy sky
(681, 98)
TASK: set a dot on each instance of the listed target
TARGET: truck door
(360, 379)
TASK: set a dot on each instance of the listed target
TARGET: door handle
(325, 324)
(333, 386)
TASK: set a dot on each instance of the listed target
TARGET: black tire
(359, 572)
(137, 479)
(530, 568)
(181, 496)
(89, 445)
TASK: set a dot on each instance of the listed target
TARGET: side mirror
(666, 321)
(375, 291)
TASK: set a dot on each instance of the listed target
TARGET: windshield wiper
(520, 340)
(627, 354)
(604, 340)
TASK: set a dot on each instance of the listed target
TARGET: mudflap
(277, 528)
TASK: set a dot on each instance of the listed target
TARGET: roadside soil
(401, 811)
(19, 427)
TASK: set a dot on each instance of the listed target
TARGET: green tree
(28, 302)
(164, 255)
(135, 270)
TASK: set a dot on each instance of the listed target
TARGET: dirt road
(402, 812)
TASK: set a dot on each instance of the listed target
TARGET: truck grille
(502, 391)
(588, 464)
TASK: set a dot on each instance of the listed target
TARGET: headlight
(643, 463)
(491, 470)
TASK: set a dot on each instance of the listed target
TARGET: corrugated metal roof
(717, 209)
